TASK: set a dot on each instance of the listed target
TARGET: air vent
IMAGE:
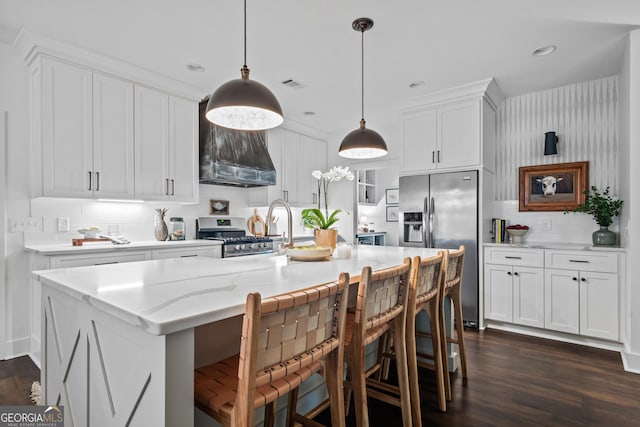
(293, 84)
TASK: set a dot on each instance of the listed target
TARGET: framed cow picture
(552, 187)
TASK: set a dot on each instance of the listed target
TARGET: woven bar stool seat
(285, 340)
(379, 309)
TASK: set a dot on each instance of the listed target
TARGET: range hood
(233, 157)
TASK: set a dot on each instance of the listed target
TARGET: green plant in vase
(603, 208)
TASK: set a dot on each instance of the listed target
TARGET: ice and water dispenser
(413, 227)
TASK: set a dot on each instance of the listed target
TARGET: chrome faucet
(280, 202)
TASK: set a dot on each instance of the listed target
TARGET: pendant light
(362, 143)
(242, 103)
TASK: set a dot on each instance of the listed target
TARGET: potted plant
(321, 221)
(603, 208)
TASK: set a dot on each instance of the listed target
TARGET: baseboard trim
(15, 348)
(631, 362)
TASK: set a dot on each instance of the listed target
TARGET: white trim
(631, 362)
(3, 237)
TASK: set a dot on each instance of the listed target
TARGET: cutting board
(255, 224)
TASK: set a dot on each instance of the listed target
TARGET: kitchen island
(120, 342)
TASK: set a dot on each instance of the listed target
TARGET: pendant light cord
(361, 73)
(245, 33)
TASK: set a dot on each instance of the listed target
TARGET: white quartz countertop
(166, 296)
(96, 247)
(557, 245)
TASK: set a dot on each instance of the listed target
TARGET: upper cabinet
(295, 156)
(92, 139)
(165, 135)
(445, 134)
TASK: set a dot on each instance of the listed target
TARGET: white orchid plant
(314, 217)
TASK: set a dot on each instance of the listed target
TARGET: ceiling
(443, 43)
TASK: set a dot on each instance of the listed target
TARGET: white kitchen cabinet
(166, 144)
(446, 136)
(514, 293)
(295, 157)
(211, 252)
(86, 133)
(582, 293)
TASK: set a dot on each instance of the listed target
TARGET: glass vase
(604, 237)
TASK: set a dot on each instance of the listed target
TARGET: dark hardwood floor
(514, 380)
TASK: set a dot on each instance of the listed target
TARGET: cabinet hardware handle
(575, 278)
(515, 274)
(512, 257)
(173, 187)
(105, 263)
(97, 181)
(433, 157)
(89, 180)
(438, 156)
(314, 198)
(166, 181)
(509, 273)
(579, 260)
(583, 279)
(188, 256)
(286, 195)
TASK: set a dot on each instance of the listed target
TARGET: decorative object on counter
(90, 232)
(552, 187)
(392, 196)
(603, 208)
(517, 232)
(550, 143)
(255, 224)
(343, 250)
(362, 143)
(314, 217)
(79, 242)
(326, 237)
(161, 230)
(218, 207)
(176, 228)
(242, 103)
(392, 214)
(310, 253)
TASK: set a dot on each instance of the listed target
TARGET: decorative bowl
(309, 253)
(90, 232)
(516, 234)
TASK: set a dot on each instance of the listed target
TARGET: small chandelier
(242, 103)
(362, 143)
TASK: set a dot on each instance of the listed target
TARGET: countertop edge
(558, 246)
(61, 249)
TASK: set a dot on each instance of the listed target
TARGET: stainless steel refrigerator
(440, 210)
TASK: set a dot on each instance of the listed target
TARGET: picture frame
(392, 196)
(393, 212)
(555, 187)
(218, 207)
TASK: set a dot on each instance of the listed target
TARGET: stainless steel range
(231, 232)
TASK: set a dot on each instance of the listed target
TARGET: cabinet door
(290, 166)
(312, 155)
(262, 196)
(152, 144)
(420, 142)
(498, 292)
(459, 135)
(528, 296)
(599, 311)
(183, 151)
(67, 157)
(113, 149)
(561, 301)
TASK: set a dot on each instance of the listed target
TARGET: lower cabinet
(575, 292)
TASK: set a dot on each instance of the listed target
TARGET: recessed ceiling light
(416, 84)
(309, 113)
(543, 51)
(196, 68)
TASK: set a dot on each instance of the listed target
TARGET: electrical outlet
(546, 225)
(63, 224)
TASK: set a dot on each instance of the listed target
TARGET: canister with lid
(176, 228)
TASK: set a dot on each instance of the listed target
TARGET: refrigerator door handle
(432, 241)
(425, 213)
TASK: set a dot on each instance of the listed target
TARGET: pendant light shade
(362, 143)
(242, 103)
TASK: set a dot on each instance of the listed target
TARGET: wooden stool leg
(358, 381)
(291, 408)
(403, 373)
(457, 303)
(443, 346)
(335, 387)
(412, 366)
(269, 414)
(434, 322)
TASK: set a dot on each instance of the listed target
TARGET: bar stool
(285, 339)
(380, 308)
(453, 289)
(425, 287)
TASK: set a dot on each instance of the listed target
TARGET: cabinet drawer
(518, 257)
(605, 262)
(211, 252)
